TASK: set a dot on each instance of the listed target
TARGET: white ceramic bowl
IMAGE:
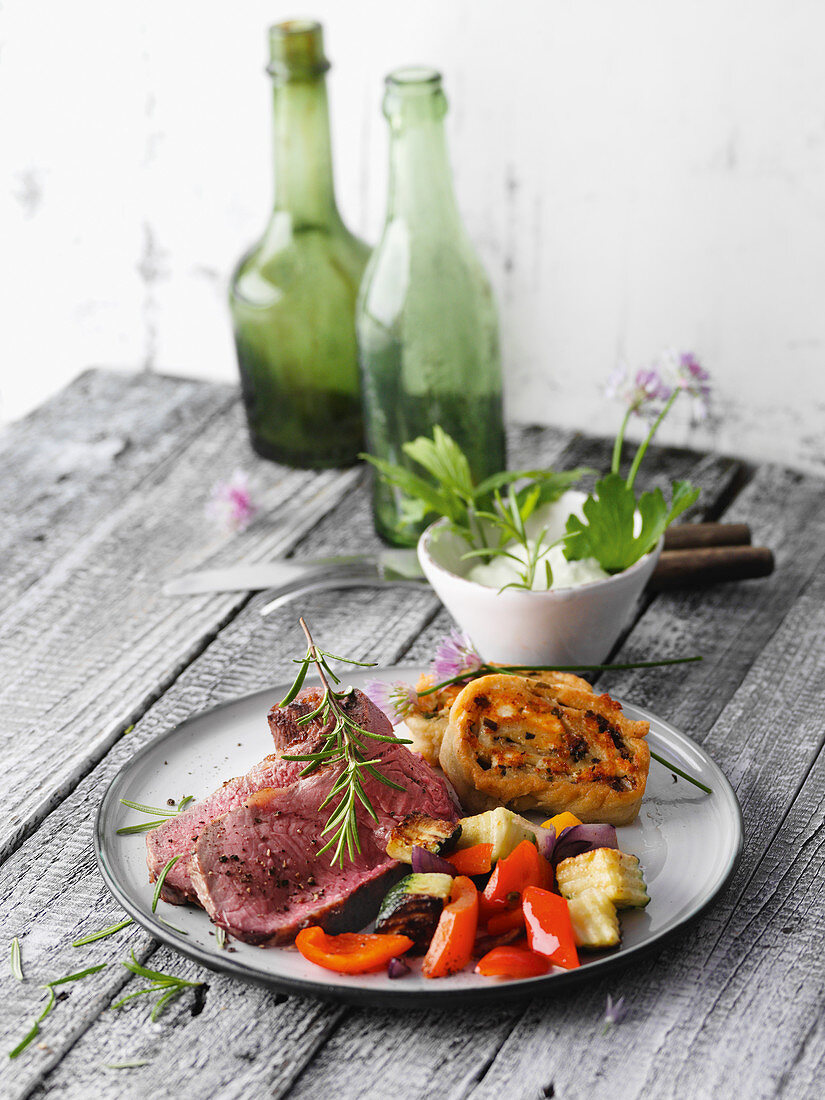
(567, 626)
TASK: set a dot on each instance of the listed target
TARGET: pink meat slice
(257, 869)
(424, 791)
(258, 873)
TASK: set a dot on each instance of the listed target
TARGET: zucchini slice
(412, 908)
(502, 828)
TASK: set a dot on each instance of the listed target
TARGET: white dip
(566, 574)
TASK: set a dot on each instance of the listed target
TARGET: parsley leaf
(608, 535)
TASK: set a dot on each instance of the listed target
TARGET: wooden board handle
(685, 535)
(707, 565)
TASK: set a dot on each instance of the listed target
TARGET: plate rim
(332, 991)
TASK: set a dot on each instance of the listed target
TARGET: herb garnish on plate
(343, 746)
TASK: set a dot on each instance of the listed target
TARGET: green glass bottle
(426, 320)
(292, 296)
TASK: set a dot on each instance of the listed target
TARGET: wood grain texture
(693, 1006)
(91, 643)
(68, 463)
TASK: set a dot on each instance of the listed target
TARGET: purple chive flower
(642, 393)
(231, 503)
(395, 699)
(694, 380)
(454, 654)
(614, 1013)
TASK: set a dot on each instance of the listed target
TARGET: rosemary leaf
(24, 1042)
(125, 1065)
(168, 811)
(174, 927)
(220, 936)
(50, 1003)
(78, 975)
(162, 879)
(16, 960)
(144, 827)
(110, 931)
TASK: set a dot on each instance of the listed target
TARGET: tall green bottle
(293, 294)
(426, 320)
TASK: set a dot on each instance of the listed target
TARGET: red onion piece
(427, 863)
(576, 839)
(397, 968)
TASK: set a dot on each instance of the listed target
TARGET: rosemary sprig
(343, 745)
(16, 960)
(110, 931)
(159, 814)
(50, 1003)
(167, 985)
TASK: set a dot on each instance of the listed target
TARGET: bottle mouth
(296, 49)
(414, 78)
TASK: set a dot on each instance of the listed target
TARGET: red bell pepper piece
(512, 875)
(512, 962)
(350, 952)
(476, 860)
(451, 947)
(549, 931)
(500, 923)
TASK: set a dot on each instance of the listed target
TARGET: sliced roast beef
(423, 790)
(258, 873)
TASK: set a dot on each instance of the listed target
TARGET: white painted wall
(635, 173)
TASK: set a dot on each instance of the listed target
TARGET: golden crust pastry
(545, 744)
(427, 721)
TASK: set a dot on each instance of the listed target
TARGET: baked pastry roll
(427, 721)
(550, 745)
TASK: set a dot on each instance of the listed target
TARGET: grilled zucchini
(594, 919)
(502, 828)
(616, 874)
(412, 908)
(418, 830)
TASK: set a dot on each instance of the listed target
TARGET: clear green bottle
(293, 295)
(426, 321)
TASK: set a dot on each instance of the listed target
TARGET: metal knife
(384, 565)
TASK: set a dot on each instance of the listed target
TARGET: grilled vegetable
(549, 929)
(617, 874)
(501, 828)
(594, 919)
(512, 875)
(418, 830)
(349, 952)
(452, 945)
(413, 907)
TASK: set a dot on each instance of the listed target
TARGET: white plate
(688, 843)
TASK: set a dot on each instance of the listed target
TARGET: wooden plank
(734, 1006)
(87, 647)
(574, 1019)
(67, 464)
(246, 654)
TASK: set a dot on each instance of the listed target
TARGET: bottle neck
(304, 185)
(421, 180)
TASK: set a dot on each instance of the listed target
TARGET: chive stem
(678, 771)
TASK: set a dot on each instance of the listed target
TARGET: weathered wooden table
(103, 493)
